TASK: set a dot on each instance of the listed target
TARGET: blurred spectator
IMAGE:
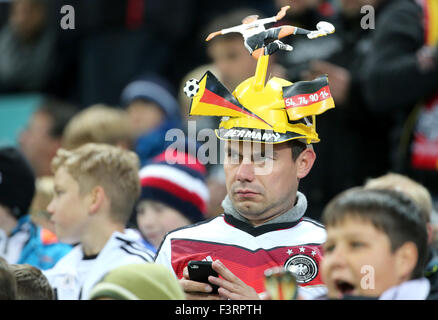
(31, 283)
(99, 124)
(21, 241)
(138, 282)
(306, 14)
(174, 194)
(42, 137)
(27, 45)
(38, 209)
(423, 199)
(8, 285)
(153, 110)
(401, 82)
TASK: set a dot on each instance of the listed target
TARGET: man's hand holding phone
(230, 286)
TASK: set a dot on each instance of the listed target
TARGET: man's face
(36, 142)
(357, 260)
(233, 61)
(27, 18)
(69, 209)
(261, 184)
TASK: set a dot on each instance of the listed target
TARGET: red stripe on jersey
(247, 265)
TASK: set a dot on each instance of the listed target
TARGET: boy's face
(69, 209)
(155, 219)
(358, 260)
(144, 116)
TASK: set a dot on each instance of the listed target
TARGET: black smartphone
(200, 270)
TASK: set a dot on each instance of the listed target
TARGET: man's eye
(234, 156)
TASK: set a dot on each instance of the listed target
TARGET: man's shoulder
(204, 225)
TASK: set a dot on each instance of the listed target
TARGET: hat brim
(256, 135)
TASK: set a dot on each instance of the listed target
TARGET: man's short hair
(392, 212)
(297, 148)
(31, 283)
(99, 124)
(60, 112)
(112, 168)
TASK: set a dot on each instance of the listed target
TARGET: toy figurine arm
(280, 15)
(213, 34)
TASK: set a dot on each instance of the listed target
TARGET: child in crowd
(21, 240)
(96, 187)
(376, 246)
(174, 194)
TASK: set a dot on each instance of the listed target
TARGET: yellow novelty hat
(276, 112)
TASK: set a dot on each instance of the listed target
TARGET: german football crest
(303, 267)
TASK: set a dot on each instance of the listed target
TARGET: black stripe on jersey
(249, 250)
(257, 231)
(185, 227)
(316, 223)
(124, 248)
(136, 247)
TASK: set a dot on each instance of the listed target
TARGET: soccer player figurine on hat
(268, 128)
(255, 34)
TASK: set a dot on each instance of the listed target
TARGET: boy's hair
(43, 195)
(112, 168)
(99, 124)
(398, 182)
(8, 285)
(31, 283)
(390, 211)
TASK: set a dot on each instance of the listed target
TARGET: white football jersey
(74, 275)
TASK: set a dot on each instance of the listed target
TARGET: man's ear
(406, 260)
(305, 162)
(97, 199)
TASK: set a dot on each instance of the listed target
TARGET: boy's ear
(406, 260)
(97, 199)
(305, 162)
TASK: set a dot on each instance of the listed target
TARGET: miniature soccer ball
(191, 88)
(326, 27)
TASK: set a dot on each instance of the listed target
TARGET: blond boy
(96, 187)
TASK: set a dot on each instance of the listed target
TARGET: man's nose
(245, 172)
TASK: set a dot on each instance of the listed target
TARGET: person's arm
(240, 29)
(392, 76)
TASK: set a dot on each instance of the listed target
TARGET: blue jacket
(39, 251)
